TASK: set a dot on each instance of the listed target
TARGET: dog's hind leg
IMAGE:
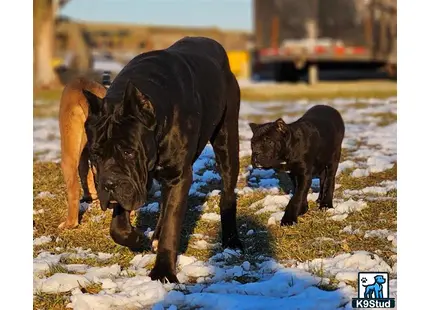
(322, 178)
(329, 183)
(225, 142)
(71, 149)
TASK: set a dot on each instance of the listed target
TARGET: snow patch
(42, 240)
(211, 217)
(152, 208)
(345, 267)
(341, 210)
(62, 282)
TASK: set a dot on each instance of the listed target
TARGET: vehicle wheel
(286, 72)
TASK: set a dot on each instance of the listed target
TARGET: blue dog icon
(375, 290)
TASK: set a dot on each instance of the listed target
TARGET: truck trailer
(292, 36)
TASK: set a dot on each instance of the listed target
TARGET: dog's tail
(106, 79)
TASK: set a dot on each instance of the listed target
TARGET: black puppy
(155, 120)
(311, 146)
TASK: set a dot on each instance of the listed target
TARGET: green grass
(56, 268)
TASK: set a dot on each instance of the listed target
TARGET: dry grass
(348, 182)
(92, 288)
(299, 242)
(59, 301)
(385, 118)
(284, 91)
(44, 301)
(47, 109)
(296, 242)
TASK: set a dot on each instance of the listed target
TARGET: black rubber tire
(286, 72)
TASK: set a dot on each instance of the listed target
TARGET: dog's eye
(128, 154)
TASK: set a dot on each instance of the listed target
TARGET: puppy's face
(122, 148)
(267, 144)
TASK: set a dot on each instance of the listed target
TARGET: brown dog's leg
(71, 150)
(70, 167)
(72, 116)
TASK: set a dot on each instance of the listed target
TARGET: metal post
(313, 74)
(312, 30)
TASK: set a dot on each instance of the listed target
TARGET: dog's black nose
(109, 185)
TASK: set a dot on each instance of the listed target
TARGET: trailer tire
(286, 72)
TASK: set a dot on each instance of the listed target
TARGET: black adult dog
(155, 120)
(310, 146)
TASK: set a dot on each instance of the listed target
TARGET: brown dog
(74, 155)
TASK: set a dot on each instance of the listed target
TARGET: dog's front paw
(288, 220)
(163, 273)
(233, 243)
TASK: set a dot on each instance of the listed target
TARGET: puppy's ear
(95, 103)
(281, 126)
(253, 126)
(135, 102)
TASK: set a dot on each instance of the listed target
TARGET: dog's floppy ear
(135, 102)
(95, 103)
(253, 126)
(281, 126)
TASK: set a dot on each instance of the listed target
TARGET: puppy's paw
(288, 220)
(233, 243)
(68, 224)
(163, 274)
